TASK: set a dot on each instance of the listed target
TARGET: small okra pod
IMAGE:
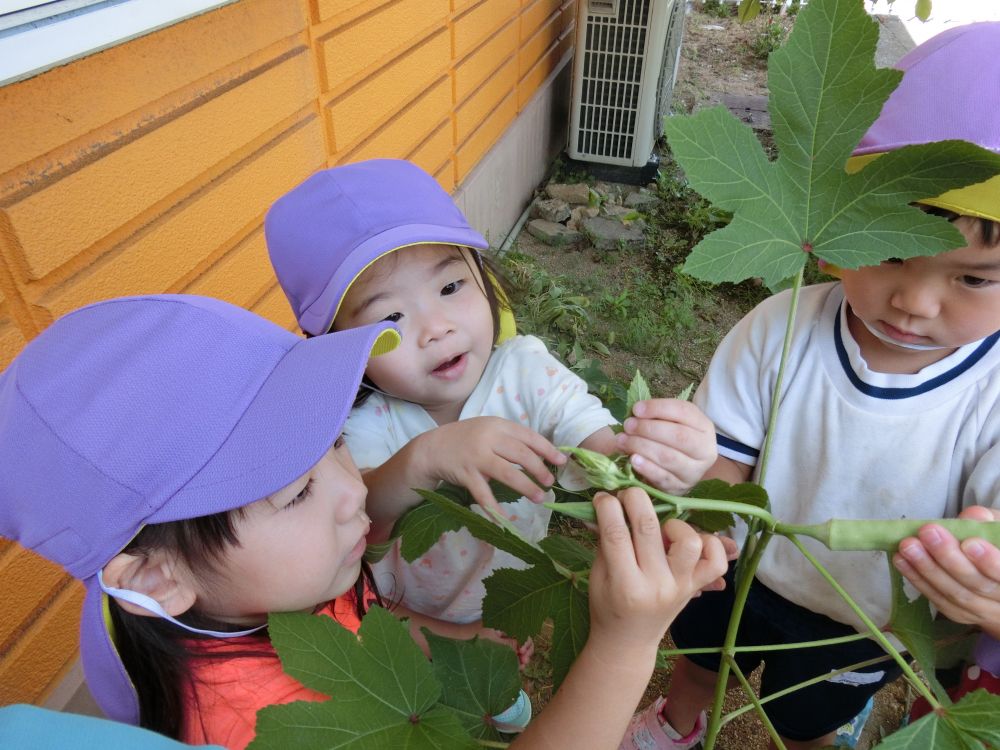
(842, 534)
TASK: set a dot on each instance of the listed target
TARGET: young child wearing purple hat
(183, 458)
(381, 240)
(891, 409)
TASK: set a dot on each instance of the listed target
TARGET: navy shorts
(768, 618)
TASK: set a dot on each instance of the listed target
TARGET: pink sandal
(648, 731)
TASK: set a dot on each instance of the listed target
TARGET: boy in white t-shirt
(890, 408)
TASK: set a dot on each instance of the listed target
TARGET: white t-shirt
(850, 442)
(522, 382)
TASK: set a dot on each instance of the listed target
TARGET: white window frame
(37, 36)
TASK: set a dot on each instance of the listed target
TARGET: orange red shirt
(225, 692)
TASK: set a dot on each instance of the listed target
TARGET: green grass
(606, 315)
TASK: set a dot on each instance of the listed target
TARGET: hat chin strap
(150, 604)
(889, 340)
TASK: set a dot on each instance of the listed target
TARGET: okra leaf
(385, 693)
(519, 601)
(911, 623)
(716, 489)
(825, 92)
(422, 526)
(568, 552)
(638, 391)
(963, 726)
(933, 643)
(479, 679)
(486, 530)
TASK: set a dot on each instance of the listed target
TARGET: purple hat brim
(308, 394)
(317, 318)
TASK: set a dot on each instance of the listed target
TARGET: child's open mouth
(451, 368)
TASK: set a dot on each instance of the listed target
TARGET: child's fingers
(660, 477)
(959, 571)
(647, 536)
(980, 513)
(613, 533)
(673, 410)
(518, 454)
(479, 488)
(510, 475)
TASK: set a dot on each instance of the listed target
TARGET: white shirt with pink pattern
(522, 382)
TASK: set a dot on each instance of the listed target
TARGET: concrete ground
(944, 14)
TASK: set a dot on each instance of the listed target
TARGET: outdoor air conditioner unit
(627, 53)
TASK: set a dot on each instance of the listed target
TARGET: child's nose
(918, 300)
(352, 500)
(436, 325)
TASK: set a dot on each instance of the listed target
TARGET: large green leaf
(963, 726)
(422, 526)
(479, 679)
(519, 601)
(502, 537)
(824, 94)
(716, 489)
(384, 691)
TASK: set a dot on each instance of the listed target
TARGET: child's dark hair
(989, 230)
(154, 651)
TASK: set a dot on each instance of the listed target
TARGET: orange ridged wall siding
(148, 167)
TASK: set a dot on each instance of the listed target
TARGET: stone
(640, 200)
(553, 210)
(579, 213)
(610, 234)
(552, 233)
(577, 193)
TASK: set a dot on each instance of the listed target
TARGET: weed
(767, 40)
(718, 8)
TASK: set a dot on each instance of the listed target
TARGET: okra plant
(824, 94)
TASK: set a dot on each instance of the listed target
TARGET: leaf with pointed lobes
(825, 93)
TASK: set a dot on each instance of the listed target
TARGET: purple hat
(323, 233)
(143, 410)
(950, 90)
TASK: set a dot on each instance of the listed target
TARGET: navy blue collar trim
(899, 393)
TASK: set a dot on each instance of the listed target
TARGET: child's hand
(473, 451)
(961, 579)
(524, 650)
(644, 575)
(671, 443)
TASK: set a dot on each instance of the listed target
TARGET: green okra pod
(849, 534)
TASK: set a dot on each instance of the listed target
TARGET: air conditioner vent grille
(613, 57)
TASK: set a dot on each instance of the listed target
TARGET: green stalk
(772, 418)
(842, 534)
(739, 602)
(668, 652)
(804, 684)
(756, 702)
(879, 636)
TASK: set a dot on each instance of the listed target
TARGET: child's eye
(451, 288)
(975, 282)
(339, 442)
(393, 317)
(303, 495)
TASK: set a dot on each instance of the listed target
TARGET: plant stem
(805, 683)
(684, 504)
(879, 636)
(668, 652)
(756, 702)
(772, 417)
(492, 743)
(739, 602)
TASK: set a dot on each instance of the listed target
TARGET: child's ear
(158, 576)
